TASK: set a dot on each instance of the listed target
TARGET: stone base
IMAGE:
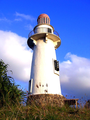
(52, 99)
(43, 99)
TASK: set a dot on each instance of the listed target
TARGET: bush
(9, 92)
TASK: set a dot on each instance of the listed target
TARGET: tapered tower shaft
(43, 41)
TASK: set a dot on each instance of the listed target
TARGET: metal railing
(31, 33)
(43, 30)
(56, 33)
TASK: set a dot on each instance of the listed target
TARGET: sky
(70, 18)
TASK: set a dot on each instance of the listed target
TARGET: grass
(43, 112)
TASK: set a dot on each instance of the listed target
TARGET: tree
(9, 92)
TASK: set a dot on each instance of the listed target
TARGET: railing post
(76, 104)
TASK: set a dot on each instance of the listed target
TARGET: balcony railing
(43, 30)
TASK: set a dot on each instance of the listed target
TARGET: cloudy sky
(70, 18)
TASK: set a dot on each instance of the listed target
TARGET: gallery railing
(42, 30)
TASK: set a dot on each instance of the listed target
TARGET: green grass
(43, 112)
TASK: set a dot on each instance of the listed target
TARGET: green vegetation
(9, 92)
(11, 107)
(43, 112)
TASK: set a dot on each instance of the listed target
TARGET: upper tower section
(43, 24)
(43, 19)
(44, 30)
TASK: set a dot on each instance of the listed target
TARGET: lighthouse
(44, 40)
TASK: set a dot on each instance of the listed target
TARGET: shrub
(9, 92)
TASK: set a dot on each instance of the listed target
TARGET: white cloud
(75, 75)
(14, 52)
(5, 19)
(18, 19)
(27, 17)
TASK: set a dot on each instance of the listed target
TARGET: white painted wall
(42, 71)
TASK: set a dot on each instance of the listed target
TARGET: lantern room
(43, 24)
(43, 19)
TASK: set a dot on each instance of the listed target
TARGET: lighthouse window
(49, 30)
(46, 20)
(43, 20)
(56, 65)
(38, 21)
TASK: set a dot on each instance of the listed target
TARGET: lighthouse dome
(43, 19)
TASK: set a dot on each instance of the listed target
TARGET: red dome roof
(43, 19)
(43, 15)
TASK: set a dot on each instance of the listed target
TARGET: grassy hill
(43, 112)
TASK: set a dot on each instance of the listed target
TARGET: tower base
(44, 99)
(52, 99)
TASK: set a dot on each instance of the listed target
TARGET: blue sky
(70, 18)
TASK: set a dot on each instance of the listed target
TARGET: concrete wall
(42, 72)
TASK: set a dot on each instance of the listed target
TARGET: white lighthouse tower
(43, 40)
